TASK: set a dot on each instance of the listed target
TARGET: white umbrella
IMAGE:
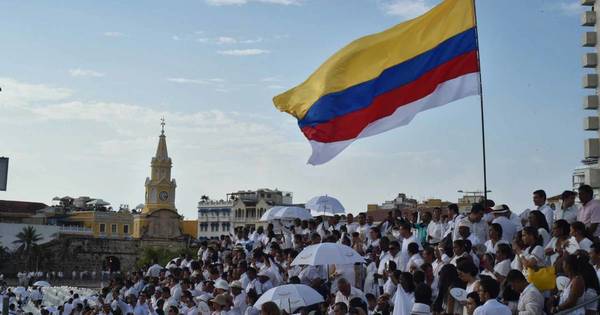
(325, 205)
(290, 297)
(327, 254)
(268, 215)
(19, 290)
(287, 213)
(42, 284)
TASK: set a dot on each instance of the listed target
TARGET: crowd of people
(487, 261)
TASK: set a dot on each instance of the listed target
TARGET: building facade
(240, 209)
(214, 218)
(159, 218)
(589, 172)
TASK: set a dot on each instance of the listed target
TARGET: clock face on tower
(163, 195)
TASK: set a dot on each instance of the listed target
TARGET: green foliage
(162, 255)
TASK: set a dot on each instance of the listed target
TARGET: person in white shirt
(436, 228)
(539, 199)
(502, 267)
(531, 300)
(578, 234)
(501, 216)
(533, 254)
(392, 254)
(347, 292)
(415, 261)
(561, 243)
(538, 220)
(464, 233)
(495, 238)
(488, 292)
(351, 226)
(407, 238)
(239, 298)
(474, 221)
(454, 218)
(568, 209)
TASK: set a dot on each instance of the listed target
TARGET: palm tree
(28, 239)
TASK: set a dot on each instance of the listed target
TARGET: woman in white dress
(573, 293)
(533, 256)
(538, 220)
(561, 242)
(495, 235)
(370, 282)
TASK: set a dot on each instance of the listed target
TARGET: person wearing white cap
(221, 286)
(264, 282)
(239, 298)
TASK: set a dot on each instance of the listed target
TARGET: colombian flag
(381, 81)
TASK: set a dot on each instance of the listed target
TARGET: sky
(85, 83)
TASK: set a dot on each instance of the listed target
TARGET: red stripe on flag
(350, 125)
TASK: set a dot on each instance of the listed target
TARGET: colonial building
(240, 209)
(399, 203)
(159, 218)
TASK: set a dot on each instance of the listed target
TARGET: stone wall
(88, 253)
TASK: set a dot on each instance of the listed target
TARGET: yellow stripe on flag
(364, 59)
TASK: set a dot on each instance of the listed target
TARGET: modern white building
(589, 173)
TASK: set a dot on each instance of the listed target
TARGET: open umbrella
(290, 213)
(19, 290)
(290, 297)
(268, 215)
(327, 254)
(325, 205)
(42, 284)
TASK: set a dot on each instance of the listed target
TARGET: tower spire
(161, 150)
(162, 124)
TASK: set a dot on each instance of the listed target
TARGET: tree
(28, 239)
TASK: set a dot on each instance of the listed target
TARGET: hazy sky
(86, 82)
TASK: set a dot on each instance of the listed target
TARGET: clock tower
(159, 218)
(160, 188)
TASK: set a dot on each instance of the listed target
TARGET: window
(125, 228)
(225, 227)
(102, 228)
(203, 227)
(113, 229)
(214, 227)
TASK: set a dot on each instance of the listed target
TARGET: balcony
(74, 230)
(589, 39)
(590, 102)
(588, 18)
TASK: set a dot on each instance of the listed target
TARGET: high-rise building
(589, 172)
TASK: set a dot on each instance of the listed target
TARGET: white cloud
(217, 80)
(251, 41)
(113, 34)
(407, 9)
(276, 87)
(242, 2)
(175, 37)
(186, 81)
(78, 72)
(15, 93)
(226, 40)
(243, 52)
(270, 79)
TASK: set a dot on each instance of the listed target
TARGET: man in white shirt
(509, 228)
(531, 300)
(407, 238)
(347, 292)
(474, 221)
(488, 292)
(239, 298)
(351, 226)
(539, 199)
(392, 254)
(589, 213)
(568, 210)
(454, 218)
(436, 228)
